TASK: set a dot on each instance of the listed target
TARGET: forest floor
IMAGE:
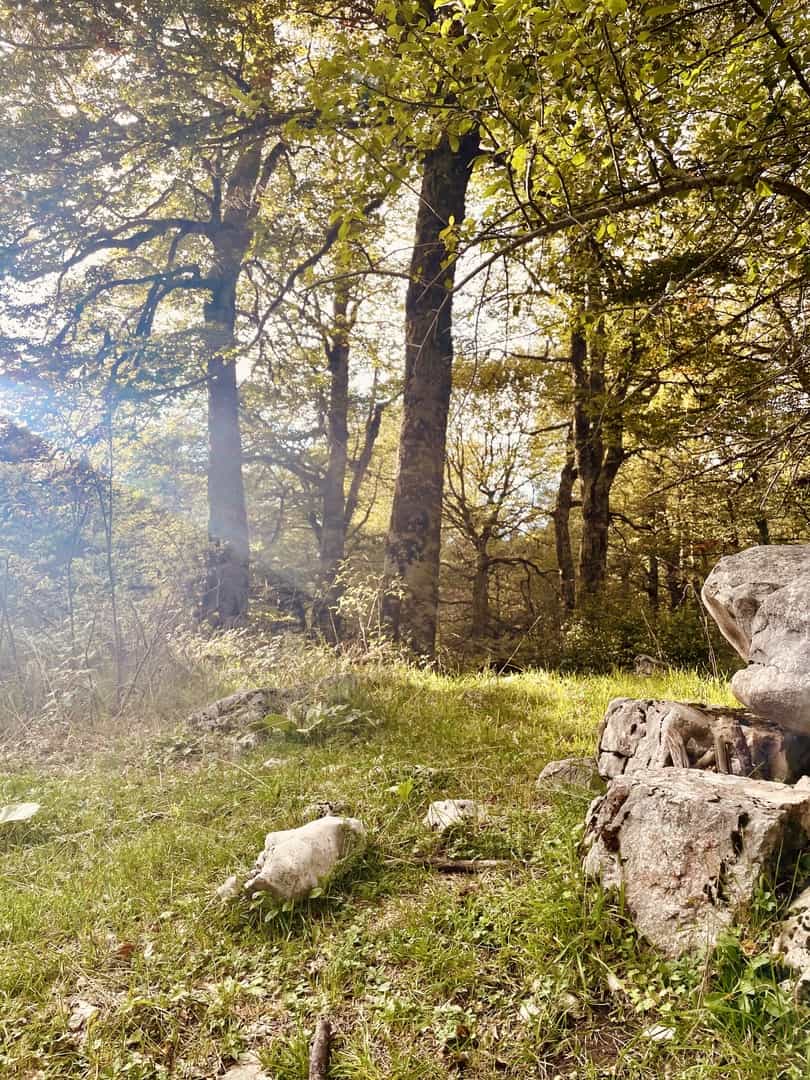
(116, 959)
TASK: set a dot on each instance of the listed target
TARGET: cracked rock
(760, 599)
(637, 735)
(688, 848)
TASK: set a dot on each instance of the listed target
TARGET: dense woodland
(477, 327)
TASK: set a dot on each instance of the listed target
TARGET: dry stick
(466, 866)
(319, 1051)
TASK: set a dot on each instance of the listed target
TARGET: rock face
(760, 599)
(636, 735)
(296, 861)
(792, 943)
(578, 772)
(688, 847)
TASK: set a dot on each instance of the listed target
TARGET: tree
(145, 140)
(414, 535)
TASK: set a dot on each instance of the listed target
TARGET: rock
(738, 586)
(238, 710)
(688, 848)
(792, 943)
(246, 708)
(229, 889)
(647, 665)
(449, 812)
(81, 1014)
(322, 808)
(659, 1033)
(760, 599)
(636, 735)
(776, 683)
(296, 861)
(569, 772)
(20, 811)
(273, 763)
(248, 1067)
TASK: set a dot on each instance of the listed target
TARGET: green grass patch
(107, 898)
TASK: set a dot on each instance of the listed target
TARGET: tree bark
(652, 582)
(225, 601)
(561, 515)
(479, 622)
(411, 598)
(333, 514)
(599, 455)
(226, 594)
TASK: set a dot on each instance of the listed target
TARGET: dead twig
(466, 866)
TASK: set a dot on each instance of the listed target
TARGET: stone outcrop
(637, 734)
(246, 708)
(688, 848)
(760, 599)
(296, 861)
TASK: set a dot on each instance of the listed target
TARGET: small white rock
(81, 1013)
(659, 1033)
(248, 1067)
(229, 889)
(448, 812)
(20, 811)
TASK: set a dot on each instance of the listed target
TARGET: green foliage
(108, 897)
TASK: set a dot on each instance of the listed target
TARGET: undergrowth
(107, 905)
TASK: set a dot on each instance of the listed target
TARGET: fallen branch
(319, 1051)
(466, 866)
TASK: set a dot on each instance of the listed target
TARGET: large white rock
(760, 599)
(642, 734)
(688, 847)
(296, 861)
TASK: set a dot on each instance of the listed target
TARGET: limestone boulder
(760, 599)
(296, 861)
(688, 847)
(642, 734)
(738, 586)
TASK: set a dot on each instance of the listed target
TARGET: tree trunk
(653, 580)
(411, 599)
(228, 563)
(479, 622)
(226, 594)
(599, 454)
(333, 515)
(561, 515)
(225, 602)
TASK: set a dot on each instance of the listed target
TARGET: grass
(106, 898)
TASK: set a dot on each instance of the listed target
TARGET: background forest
(477, 326)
